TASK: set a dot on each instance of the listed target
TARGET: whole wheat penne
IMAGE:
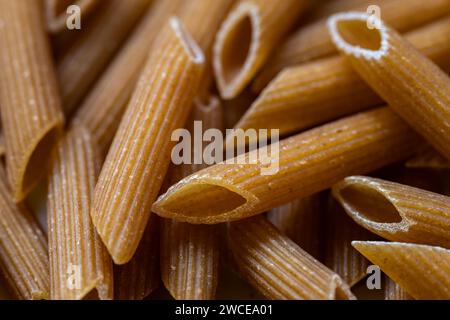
(313, 41)
(189, 260)
(56, 12)
(392, 291)
(422, 271)
(279, 268)
(302, 221)
(340, 256)
(140, 154)
(30, 104)
(428, 158)
(87, 57)
(299, 166)
(396, 212)
(310, 94)
(246, 38)
(23, 249)
(413, 86)
(104, 106)
(190, 253)
(79, 262)
(138, 278)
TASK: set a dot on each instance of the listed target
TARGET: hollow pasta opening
(236, 48)
(35, 169)
(222, 200)
(356, 33)
(189, 44)
(369, 203)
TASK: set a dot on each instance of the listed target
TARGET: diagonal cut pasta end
(204, 201)
(235, 50)
(359, 34)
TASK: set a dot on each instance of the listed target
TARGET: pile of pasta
(92, 207)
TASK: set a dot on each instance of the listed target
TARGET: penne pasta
(30, 104)
(189, 260)
(140, 154)
(340, 256)
(307, 95)
(56, 15)
(301, 221)
(87, 57)
(23, 249)
(278, 268)
(413, 86)
(104, 106)
(313, 41)
(190, 253)
(392, 291)
(422, 271)
(138, 278)
(246, 38)
(79, 262)
(396, 212)
(329, 7)
(299, 166)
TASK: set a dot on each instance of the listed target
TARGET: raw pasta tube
(56, 12)
(396, 212)
(295, 167)
(2, 145)
(140, 154)
(138, 278)
(30, 104)
(79, 262)
(246, 38)
(23, 249)
(328, 8)
(104, 106)
(87, 57)
(340, 256)
(392, 291)
(313, 41)
(422, 271)
(190, 253)
(279, 268)
(302, 221)
(303, 96)
(412, 85)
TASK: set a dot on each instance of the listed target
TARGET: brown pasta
(246, 38)
(79, 262)
(87, 57)
(55, 11)
(303, 96)
(277, 267)
(427, 273)
(392, 291)
(138, 278)
(412, 85)
(130, 181)
(307, 163)
(190, 253)
(302, 221)
(313, 41)
(30, 104)
(104, 106)
(340, 256)
(23, 249)
(396, 212)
